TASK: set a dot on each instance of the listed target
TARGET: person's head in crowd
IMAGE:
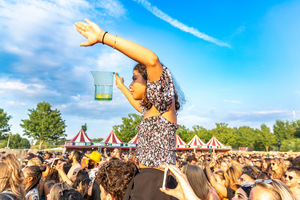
(192, 160)
(29, 155)
(81, 183)
(116, 153)
(94, 159)
(224, 165)
(292, 177)
(258, 163)
(70, 194)
(272, 189)
(220, 178)
(277, 167)
(296, 161)
(232, 175)
(249, 174)
(50, 173)
(11, 176)
(197, 180)
(47, 156)
(56, 190)
(263, 175)
(75, 157)
(266, 164)
(114, 177)
(32, 176)
(287, 163)
(243, 192)
(240, 159)
(35, 161)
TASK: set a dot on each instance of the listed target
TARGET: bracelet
(115, 42)
(103, 37)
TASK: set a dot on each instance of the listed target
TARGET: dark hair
(67, 167)
(52, 175)
(146, 103)
(296, 161)
(251, 171)
(295, 169)
(36, 173)
(114, 176)
(83, 178)
(70, 194)
(77, 155)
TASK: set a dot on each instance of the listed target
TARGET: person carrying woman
(152, 93)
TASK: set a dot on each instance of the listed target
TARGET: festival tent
(197, 144)
(133, 140)
(215, 144)
(80, 141)
(180, 144)
(112, 141)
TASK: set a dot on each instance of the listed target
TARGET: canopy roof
(179, 141)
(81, 137)
(112, 138)
(196, 141)
(214, 142)
(133, 140)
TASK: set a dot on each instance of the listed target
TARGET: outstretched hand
(91, 31)
(183, 191)
(119, 80)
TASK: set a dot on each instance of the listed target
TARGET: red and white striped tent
(81, 137)
(180, 144)
(81, 141)
(215, 144)
(112, 138)
(133, 140)
(196, 141)
(197, 144)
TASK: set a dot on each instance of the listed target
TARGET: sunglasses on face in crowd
(273, 164)
(289, 177)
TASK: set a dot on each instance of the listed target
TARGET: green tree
(97, 139)
(244, 137)
(202, 133)
(185, 134)
(17, 142)
(4, 126)
(284, 130)
(291, 144)
(128, 129)
(224, 134)
(84, 127)
(266, 137)
(44, 124)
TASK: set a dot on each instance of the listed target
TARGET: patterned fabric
(156, 135)
(32, 194)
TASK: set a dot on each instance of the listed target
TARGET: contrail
(158, 13)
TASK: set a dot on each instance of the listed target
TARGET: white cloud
(232, 101)
(158, 13)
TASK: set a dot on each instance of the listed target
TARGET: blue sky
(236, 61)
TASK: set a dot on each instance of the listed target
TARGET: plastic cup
(103, 82)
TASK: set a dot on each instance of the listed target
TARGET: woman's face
(138, 86)
(27, 179)
(240, 194)
(291, 179)
(274, 165)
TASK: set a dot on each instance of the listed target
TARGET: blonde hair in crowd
(11, 176)
(197, 179)
(281, 167)
(279, 190)
(232, 175)
(35, 161)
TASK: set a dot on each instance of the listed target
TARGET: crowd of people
(111, 175)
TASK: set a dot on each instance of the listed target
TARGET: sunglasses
(240, 178)
(289, 177)
(273, 164)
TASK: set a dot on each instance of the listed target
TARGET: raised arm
(135, 103)
(140, 54)
(220, 188)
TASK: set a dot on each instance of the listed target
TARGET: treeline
(285, 135)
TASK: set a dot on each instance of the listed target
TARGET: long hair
(278, 174)
(279, 190)
(83, 178)
(36, 173)
(11, 176)
(232, 175)
(197, 180)
(56, 190)
(179, 95)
